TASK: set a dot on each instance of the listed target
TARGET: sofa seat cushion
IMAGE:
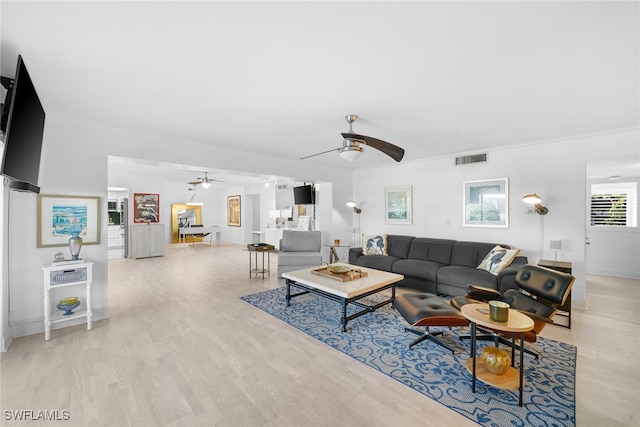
(378, 262)
(299, 258)
(452, 275)
(417, 268)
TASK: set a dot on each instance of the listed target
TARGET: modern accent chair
(423, 309)
(298, 250)
(546, 290)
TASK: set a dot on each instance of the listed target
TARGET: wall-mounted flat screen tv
(24, 118)
(304, 195)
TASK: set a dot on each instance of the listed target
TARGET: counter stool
(424, 309)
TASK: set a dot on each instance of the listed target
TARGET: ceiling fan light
(206, 184)
(350, 153)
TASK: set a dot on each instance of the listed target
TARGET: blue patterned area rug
(378, 340)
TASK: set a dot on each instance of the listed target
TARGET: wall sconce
(353, 205)
(534, 199)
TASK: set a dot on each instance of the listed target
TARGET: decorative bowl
(68, 300)
(67, 308)
(496, 360)
(339, 268)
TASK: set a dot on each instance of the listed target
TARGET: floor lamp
(357, 211)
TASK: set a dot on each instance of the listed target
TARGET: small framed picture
(146, 207)
(398, 205)
(60, 217)
(233, 211)
(486, 203)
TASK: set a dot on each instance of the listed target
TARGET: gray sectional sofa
(439, 265)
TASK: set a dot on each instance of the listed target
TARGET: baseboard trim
(37, 327)
(615, 273)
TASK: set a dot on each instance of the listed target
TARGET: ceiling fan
(206, 181)
(352, 145)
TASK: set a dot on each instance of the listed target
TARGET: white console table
(65, 276)
(183, 232)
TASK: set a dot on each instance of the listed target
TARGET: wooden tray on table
(349, 276)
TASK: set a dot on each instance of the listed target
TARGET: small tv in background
(304, 195)
(22, 124)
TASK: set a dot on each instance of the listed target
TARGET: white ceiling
(436, 78)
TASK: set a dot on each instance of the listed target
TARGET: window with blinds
(609, 209)
(614, 204)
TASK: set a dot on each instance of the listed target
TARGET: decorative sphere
(496, 360)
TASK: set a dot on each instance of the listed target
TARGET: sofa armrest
(482, 293)
(507, 277)
(354, 254)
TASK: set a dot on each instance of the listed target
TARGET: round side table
(478, 314)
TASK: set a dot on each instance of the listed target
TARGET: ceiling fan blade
(194, 182)
(317, 154)
(391, 150)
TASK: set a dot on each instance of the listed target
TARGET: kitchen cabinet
(147, 240)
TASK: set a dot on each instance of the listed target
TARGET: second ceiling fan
(352, 144)
(206, 181)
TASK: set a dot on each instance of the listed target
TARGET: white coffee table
(345, 293)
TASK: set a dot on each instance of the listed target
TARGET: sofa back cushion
(398, 246)
(300, 241)
(437, 250)
(471, 254)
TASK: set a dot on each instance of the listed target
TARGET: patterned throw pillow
(374, 244)
(498, 259)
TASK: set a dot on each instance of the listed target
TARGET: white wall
(556, 171)
(75, 162)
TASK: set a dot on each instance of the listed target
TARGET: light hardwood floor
(181, 349)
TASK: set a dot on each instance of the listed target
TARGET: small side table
(566, 267)
(66, 275)
(517, 323)
(333, 254)
(260, 248)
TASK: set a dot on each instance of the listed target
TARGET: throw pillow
(498, 259)
(375, 244)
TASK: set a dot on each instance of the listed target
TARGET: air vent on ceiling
(475, 158)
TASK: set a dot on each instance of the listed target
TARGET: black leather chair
(542, 291)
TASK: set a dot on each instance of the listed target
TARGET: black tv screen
(25, 127)
(304, 195)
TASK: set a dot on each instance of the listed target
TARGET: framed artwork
(146, 207)
(233, 211)
(303, 223)
(486, 203)
(60, 217)
(398, 205)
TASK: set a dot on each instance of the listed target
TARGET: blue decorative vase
(75, 244)
(67, 308)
